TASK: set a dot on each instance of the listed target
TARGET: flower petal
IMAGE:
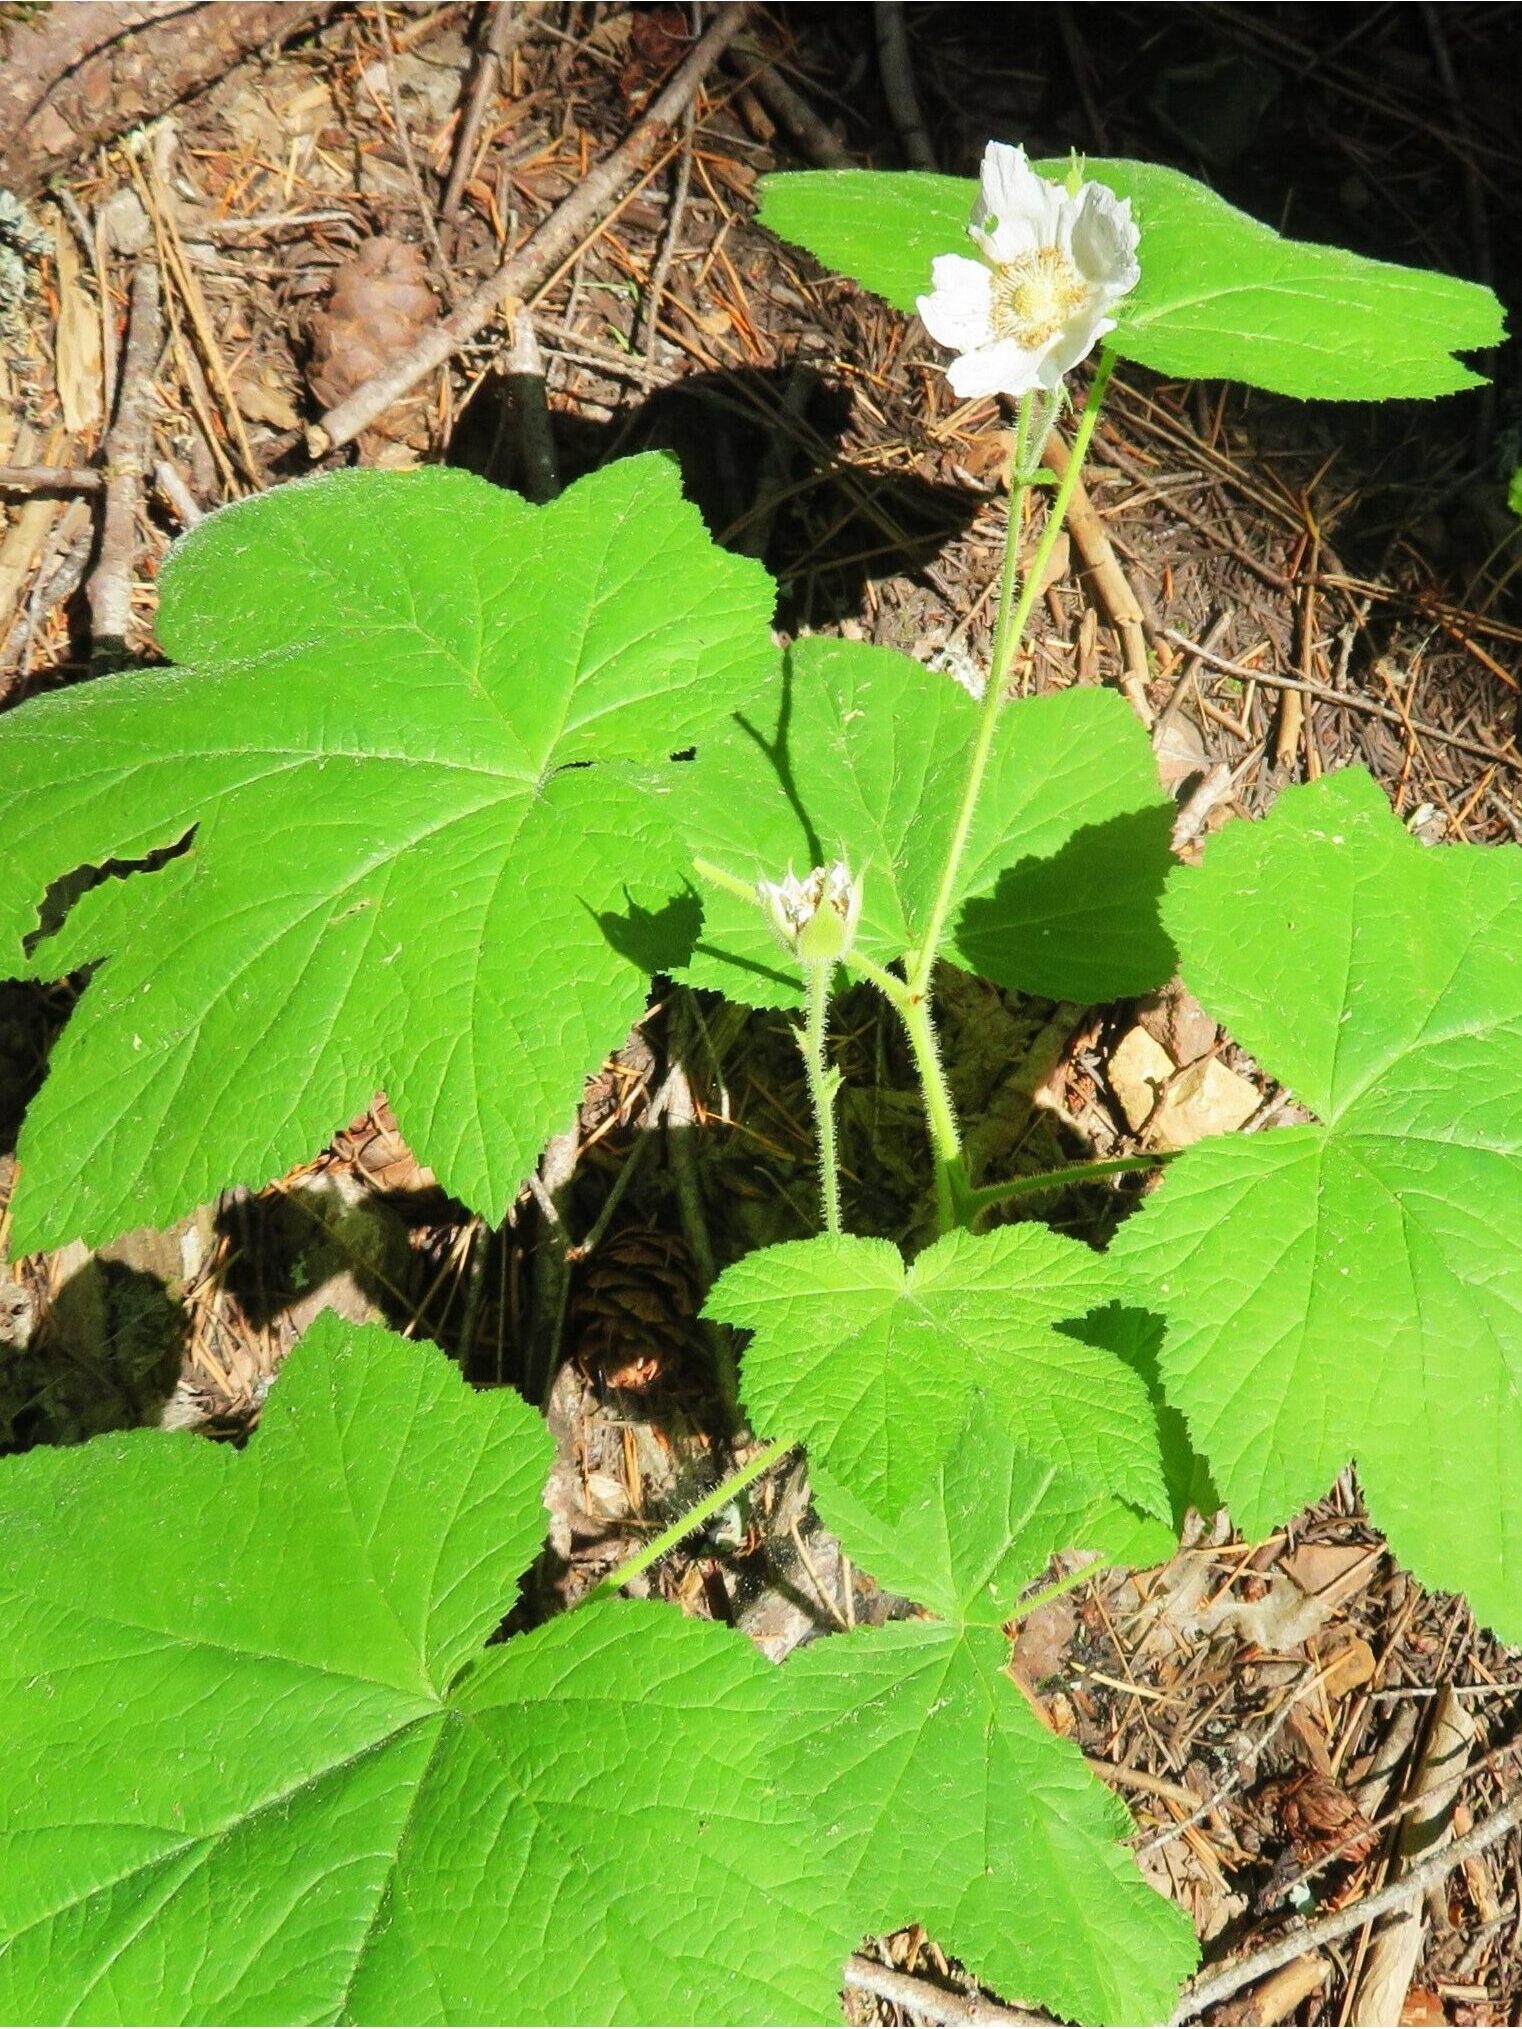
(1015, 210)
(959, 310)
(1075, 341)
(1105, 239)
(1004, 368)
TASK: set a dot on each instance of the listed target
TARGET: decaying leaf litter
(1279, 1715)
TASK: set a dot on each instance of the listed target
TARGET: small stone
(1139, 1066)
(1176, 1108)
(1174, 1018)
(1204, 1099)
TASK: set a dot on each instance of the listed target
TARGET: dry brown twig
(1109, 583)
(1379, 1985)
(670, 240)
(171, 483)
(532, 266)
(50, 479)
(1349, 700)
(151, 176)
(66, 548)
(31, 526)
(814, 135)
(1281, 1993)
(930, 2001)
(1205, 1993)
(508, 26)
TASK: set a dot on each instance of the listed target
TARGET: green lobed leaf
(401, 872)
(1221, 296)
(257, 1766)
(1353, 1289)
(985, 1524)
(876, 1365)
(948, 1803)
(938, 1789)
(862, 755)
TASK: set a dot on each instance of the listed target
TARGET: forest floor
(1270, 1710)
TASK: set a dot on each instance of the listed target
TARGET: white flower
(1055, 260)
(814, 918)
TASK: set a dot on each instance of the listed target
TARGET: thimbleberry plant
(435, 784)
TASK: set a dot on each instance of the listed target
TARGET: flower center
(1035, 295)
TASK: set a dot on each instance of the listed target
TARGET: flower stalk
(954, 1198)
(1014, 613)
(824, 1085)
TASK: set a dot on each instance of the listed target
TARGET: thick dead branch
(73, 77)
(897, 70)
(818, 140)
(536, 261)
(110, 588)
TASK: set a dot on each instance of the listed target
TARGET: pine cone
(633, 1313)
(372, 1148)
(1319, 1817)
(380, 305)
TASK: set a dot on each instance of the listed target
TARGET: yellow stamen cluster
(1035, 295)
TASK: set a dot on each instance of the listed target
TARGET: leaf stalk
(1058, 1179)
(718, 1497)
(952, 1189)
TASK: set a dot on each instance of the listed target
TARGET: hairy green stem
(730, 883)
(923, 963)
(1058, 1179)
(951, 1185)
(1014, 612)
(1055, 1591)
(824, 1083)
(720, 1497)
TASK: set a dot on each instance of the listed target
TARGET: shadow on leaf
(654, 940)
(1081, 924)
(1136, 1336)
(764, 456)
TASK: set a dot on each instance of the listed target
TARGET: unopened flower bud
(814, 918)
